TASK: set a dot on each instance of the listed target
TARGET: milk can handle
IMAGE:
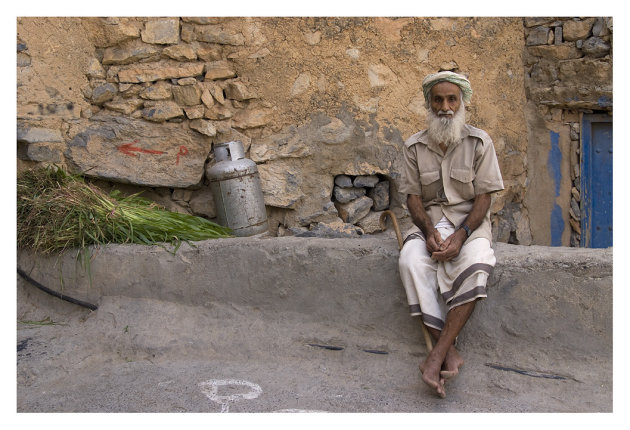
(230, 150)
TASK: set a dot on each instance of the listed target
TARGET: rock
(557, 33)
(208, 52)
(95, 70)
(42, 152)
(130, 53)
(237, 90)
(202, 203)
(536, 21)
(355, 210)
(313, 37)
(217, 34)
(346, 195)
(111, 31)
(300, 85)
(283, 145)
(134, 151)
(380, 75)
(154, 72)
(218, 70)
(204, 127)
(575, 225)
(215, 90)
(335, 132)
(162, 31)
(335, 229)
(380, 195)
(129, 90)
(353, 53)
(186, 95)
(371, 222)
(281, 184)
(600, 28)
(218, 112)
(365, 181)
(522, 232)
(23, 59)
(595, 47)
(103, 93)
(180, 52)
(230, 135)
(125, 106)
(162, 111)
(207, 99)
(326, 215)
(577, 30)
(574, 132)
(251, 118)
(565, 51)
(181, 195)
(161, 90)
(574, 210)
(294, 231)
(187, 81)
(538, 36)
(259, 54)
(343, 181)
(194, 112)
(30, 134)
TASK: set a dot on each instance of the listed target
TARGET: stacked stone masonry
(568, 65)
(138, 103)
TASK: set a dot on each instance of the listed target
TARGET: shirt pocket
(431, 184)
(462, 183)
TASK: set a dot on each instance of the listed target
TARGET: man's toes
(448, 374)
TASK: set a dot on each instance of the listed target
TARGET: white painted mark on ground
(231, 391)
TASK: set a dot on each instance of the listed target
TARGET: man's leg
(444, 357)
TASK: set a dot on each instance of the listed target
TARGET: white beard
(446, 130)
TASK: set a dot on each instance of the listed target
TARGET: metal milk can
(235, 186)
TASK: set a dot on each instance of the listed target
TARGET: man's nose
(445, 106)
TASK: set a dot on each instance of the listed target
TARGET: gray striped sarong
(435, 287)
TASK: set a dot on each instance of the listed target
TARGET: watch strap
(466, 229)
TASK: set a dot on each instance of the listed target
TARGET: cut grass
(57, 211)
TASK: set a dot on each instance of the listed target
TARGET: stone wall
(568, 65)
(138, 103)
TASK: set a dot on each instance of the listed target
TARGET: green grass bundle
(57, 211)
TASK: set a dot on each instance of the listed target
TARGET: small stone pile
(360, 200)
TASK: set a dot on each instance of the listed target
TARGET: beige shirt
(448, 183)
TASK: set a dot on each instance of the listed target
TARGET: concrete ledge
(559, 298)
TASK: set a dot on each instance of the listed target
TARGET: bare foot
(431, 377)
(452, 363)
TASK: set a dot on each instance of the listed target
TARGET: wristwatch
(466, 229)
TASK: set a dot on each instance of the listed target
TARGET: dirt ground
(142, 355)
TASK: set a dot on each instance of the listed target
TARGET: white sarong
(435, 287)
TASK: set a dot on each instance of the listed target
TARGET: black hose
(55, 293)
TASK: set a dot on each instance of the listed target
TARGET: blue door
(596, 182)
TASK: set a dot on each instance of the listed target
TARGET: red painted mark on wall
(129, 149)
(182, 151)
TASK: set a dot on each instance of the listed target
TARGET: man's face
(445, 98)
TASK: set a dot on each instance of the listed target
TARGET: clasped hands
(447, 249)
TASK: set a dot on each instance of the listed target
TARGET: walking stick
(392, 216)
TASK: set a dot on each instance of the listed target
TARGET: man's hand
(434, 241)
(451, 247)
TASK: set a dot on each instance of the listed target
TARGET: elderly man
(450, 170)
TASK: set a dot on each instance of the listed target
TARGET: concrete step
(316, 324)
